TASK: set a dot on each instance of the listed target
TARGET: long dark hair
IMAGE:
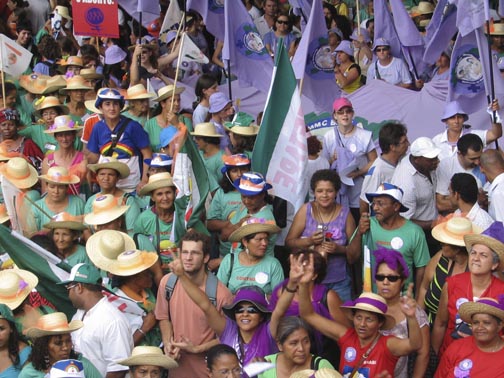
(39, 356)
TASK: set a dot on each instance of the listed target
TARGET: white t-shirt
(381, 171)
(447, 168)
(396, 72)
(441, 141)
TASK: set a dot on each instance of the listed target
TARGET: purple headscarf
(390, 257)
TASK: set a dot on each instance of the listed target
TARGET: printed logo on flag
(320, 60)
(250, 43)
(216, 6)
(95, 17)
(467, 72)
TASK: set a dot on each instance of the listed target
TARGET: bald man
(492, 166)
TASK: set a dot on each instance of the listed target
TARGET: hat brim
(97, 258)
(468, 309)
(490, 242)
(246, 192)
(251, 130)
(164, 96)
(90, 105)
(92, 76)
(216, 135)
(150, 359)
(389, 320)
(63, 129)
(94, 219)
(148, 260)
(63, 109)
(31, 279)
(149, 188)
(144, 46)
(441, 234)
(370, 197)
(34, 332)
(23, 183)
(73, 180)
(119, 167)
(446, 118)
(253, 228)
(143, 96)
(70, 225)
(4, 219)
(77, 88)
(229, 310)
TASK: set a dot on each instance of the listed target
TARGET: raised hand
(176, 266)
(308, 271)
(408, 303)
(296, 268)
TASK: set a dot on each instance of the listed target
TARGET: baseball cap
(83, 273)
(341, 102)
(425, 147)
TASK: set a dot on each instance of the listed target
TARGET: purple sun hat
(252, 294)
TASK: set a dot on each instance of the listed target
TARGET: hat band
(57, 326)
(99, 209)
(22, 285)
(456, 234)
(60, 178)
(249, 185)
(491, 303)
(17, 177)
(373, 302)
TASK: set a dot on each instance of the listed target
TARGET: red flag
(96, 20)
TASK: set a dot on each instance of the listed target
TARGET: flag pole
(229, 79)
(492, 84)
(3, 74)
(181, 23)
(357, 5)
(179, 60)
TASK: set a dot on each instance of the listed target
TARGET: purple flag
(440, 31)
(244, 48)
(489, 66)
(150, 10)
(384, 27)
(471, 14)
(314, 64)
(212, 12)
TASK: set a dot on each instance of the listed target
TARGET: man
(394, 144)
(492, 166)
(387, 67)
(185, 332)
(467, 159)
(388, 229)
(106, 336)
(265, 23)
(24, 33)
(464, 197)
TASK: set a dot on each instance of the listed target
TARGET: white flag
(15, 58)
(173, 17)
(191, 53)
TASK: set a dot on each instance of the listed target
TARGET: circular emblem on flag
(94, 17)
(250, 43)
(11, 58)
(216, 6)
(253, 42)
(323, 59)
(350, 354)
(320, 61)
(467, 71)
(469, 68)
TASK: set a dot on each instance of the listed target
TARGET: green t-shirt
(29, 371)
(154, 130)
(271, 373)
(42, 214)
(213, 165)
(46, 142)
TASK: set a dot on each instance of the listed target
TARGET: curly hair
(326, 175)
(49, 48)
(39, 356)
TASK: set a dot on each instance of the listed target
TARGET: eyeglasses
(248, 310)
(49, 114)
(282, 22)
(345, 111)
(381, 49)
(70, 286)
(381, 278)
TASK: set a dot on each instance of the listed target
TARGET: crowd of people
(393, 267)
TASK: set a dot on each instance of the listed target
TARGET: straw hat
(498, 29)
(76, 82)
(156, 181)
(453, 231)
(105, 210)
(71, 61)
(63, 123)
(206, 129)
(90, 74)
(21, 174)
(423, 7)
(242, 124)
(138, 92)
(55, 323)
(65, 220)
(372, 303)
(15, 286)
(105, 246)
(42, 84)
(254, 226)
(90, 105)
(321, 373)
(149, 355)
(168, 91)
(59, 175)
(492, 237)
(128, 263)
(4, 154)
(4, 217)
(483, 305)
(111, 163)
(251, 183)
(49, 102)
(62, 11)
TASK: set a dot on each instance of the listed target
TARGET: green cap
(240, 119)
(6, 313)
(84, 273)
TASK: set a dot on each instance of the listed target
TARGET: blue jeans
(343, 288)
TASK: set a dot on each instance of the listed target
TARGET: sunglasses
(248, 310)
(345, 111)
(381, 49)
(282, 22)
(381, 278)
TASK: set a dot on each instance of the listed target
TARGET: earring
(47, 361)
(247, 251)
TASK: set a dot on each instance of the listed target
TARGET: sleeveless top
(336, 231)
(356, 84)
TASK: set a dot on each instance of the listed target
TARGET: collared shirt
(478, 216)
(447, 150)
(496, 198)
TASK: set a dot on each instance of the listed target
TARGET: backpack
(210, 287)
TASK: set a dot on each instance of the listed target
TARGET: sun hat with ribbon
(253, 226)
(47, 102)
(159, 160)
(369, 302)
(42, 84)
(105, 209)
(71, 61)
(4, 216)
(128, 263)
(108, 94)
(63, 123)
(59, 175)
(90, 74)
(251, 184)
(55, 323)
(206, 129)
(156, 181)
(492, 237)
(15, 286)
(242, 124)
(19, 172)
(453, 231)
(484, 305)
(65, 220)
(386, 189)
(237, 160)
(168, 91)
(105, 246)
(252, 294)
(138, 92)
(67, 369)
(149, 355)
(111, 163)
(75, 83)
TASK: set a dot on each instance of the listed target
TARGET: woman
(222, 360)
(205, 87)
(116, 66)
(138, 103)
(52, 342)
(366, 351)
(282, 28)
(252, 265)
(65, 132)
(242, 133)
(482, 354)
(168, 115)
(226, 201)
(50, 52)
(65, 232)
(293, 341)
(327, 227)
(442, 68)
(346, 71)
(148, 361)
(75, 91)
(362, 51)
(13, 351)
(71, 66)
(486, 255)
(147, 68)
(58, 183)
(390, 273)
(449, 261)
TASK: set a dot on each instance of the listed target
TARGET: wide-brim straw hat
(111, 163)
(156, 181)
(453, 231)
(423, 7)
(62, 11)
(149, 355)
(65, 220)
(71, 61)
(492, 237)
(138, 92)
(498, 29)
(15, 286)
(4, 217)
(19, 172)
(253, 226)
(63, 123)
(105, 246)
(49, 102)
(130, 262)
(321, 373)
(483, 305)
(369, 302)
(206, 129)
(59, 175)
(251, 130)
(168, 91)
(42, 84)
(55, 323)
(90, 74)
(105, 209)
(76, 82)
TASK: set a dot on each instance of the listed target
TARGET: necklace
(320, 218)
(347, 132)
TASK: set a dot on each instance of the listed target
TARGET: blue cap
(166, 136)
(159, 161)
(67, 369)
(105, 94)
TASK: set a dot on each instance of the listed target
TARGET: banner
(150, 10)
(15, 58)
(100, 20)
(212, 12)
(190, 52)
(440, 31)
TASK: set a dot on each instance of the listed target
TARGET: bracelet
(290, 290)
(142, 332)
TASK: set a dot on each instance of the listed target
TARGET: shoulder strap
(116, 137)
(377, 72)
(231, 263)
(170, 286)
(211, 288)
(324, 298)
(315, 363)
(365, 356)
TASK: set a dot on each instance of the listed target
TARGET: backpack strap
(170, 286)
(211, 288)
(377, 71)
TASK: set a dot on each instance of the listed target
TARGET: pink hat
(341, 102)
